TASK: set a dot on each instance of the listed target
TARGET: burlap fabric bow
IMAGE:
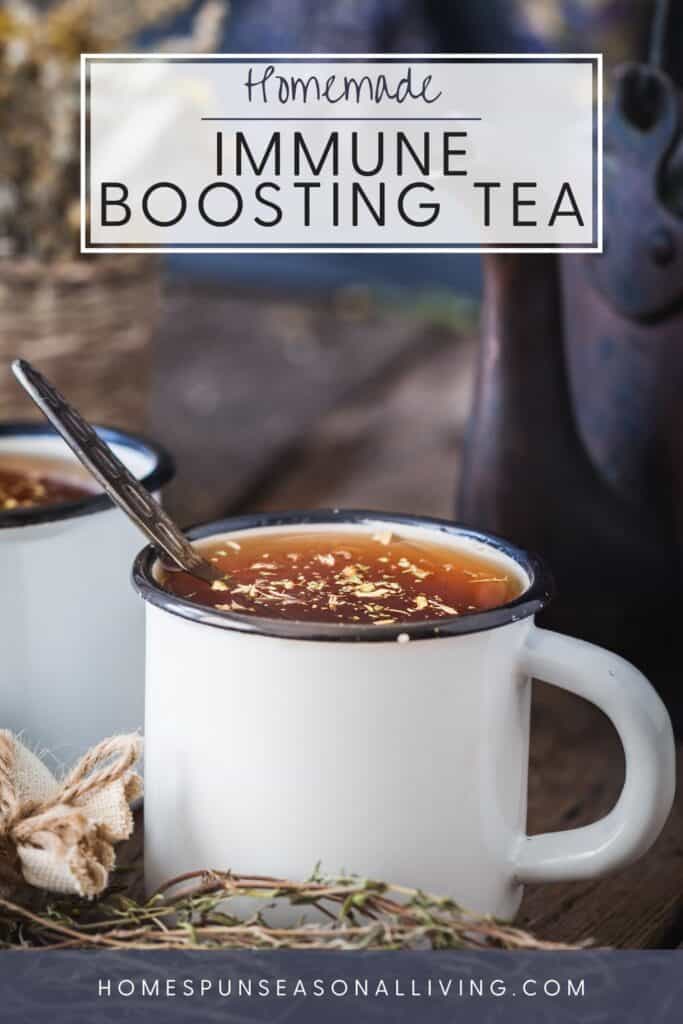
(59, 835)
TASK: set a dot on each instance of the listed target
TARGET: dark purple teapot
(576, 442)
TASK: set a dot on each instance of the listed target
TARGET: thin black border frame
(594, 246)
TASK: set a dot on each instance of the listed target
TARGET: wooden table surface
(274, 403)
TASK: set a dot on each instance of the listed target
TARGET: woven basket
(88, 326)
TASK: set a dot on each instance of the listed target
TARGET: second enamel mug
(71, 632)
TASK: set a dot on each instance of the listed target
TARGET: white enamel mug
(394, 752)
(71, 632)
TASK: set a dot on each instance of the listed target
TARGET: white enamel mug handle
(644, 727)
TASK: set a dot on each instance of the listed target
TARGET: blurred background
(275, 380)
(373, 381)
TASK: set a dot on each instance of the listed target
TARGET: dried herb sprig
(40, 45)
(193, 912)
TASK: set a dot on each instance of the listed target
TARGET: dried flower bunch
(40, 47)
(59, 835)
(193, 912)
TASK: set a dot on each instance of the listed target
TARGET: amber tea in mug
(33, 481)
(377, 578)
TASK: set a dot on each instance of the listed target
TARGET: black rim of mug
(162, 472)
(535, 597)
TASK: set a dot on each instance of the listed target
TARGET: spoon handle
(118, 482)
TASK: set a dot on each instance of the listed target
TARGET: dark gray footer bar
(330, 987)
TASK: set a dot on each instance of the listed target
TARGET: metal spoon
(121, 486)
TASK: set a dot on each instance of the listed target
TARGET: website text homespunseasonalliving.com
(265, 987)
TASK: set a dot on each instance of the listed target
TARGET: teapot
(575, 446)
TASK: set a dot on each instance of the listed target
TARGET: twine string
(92, 773)
(9, 802)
